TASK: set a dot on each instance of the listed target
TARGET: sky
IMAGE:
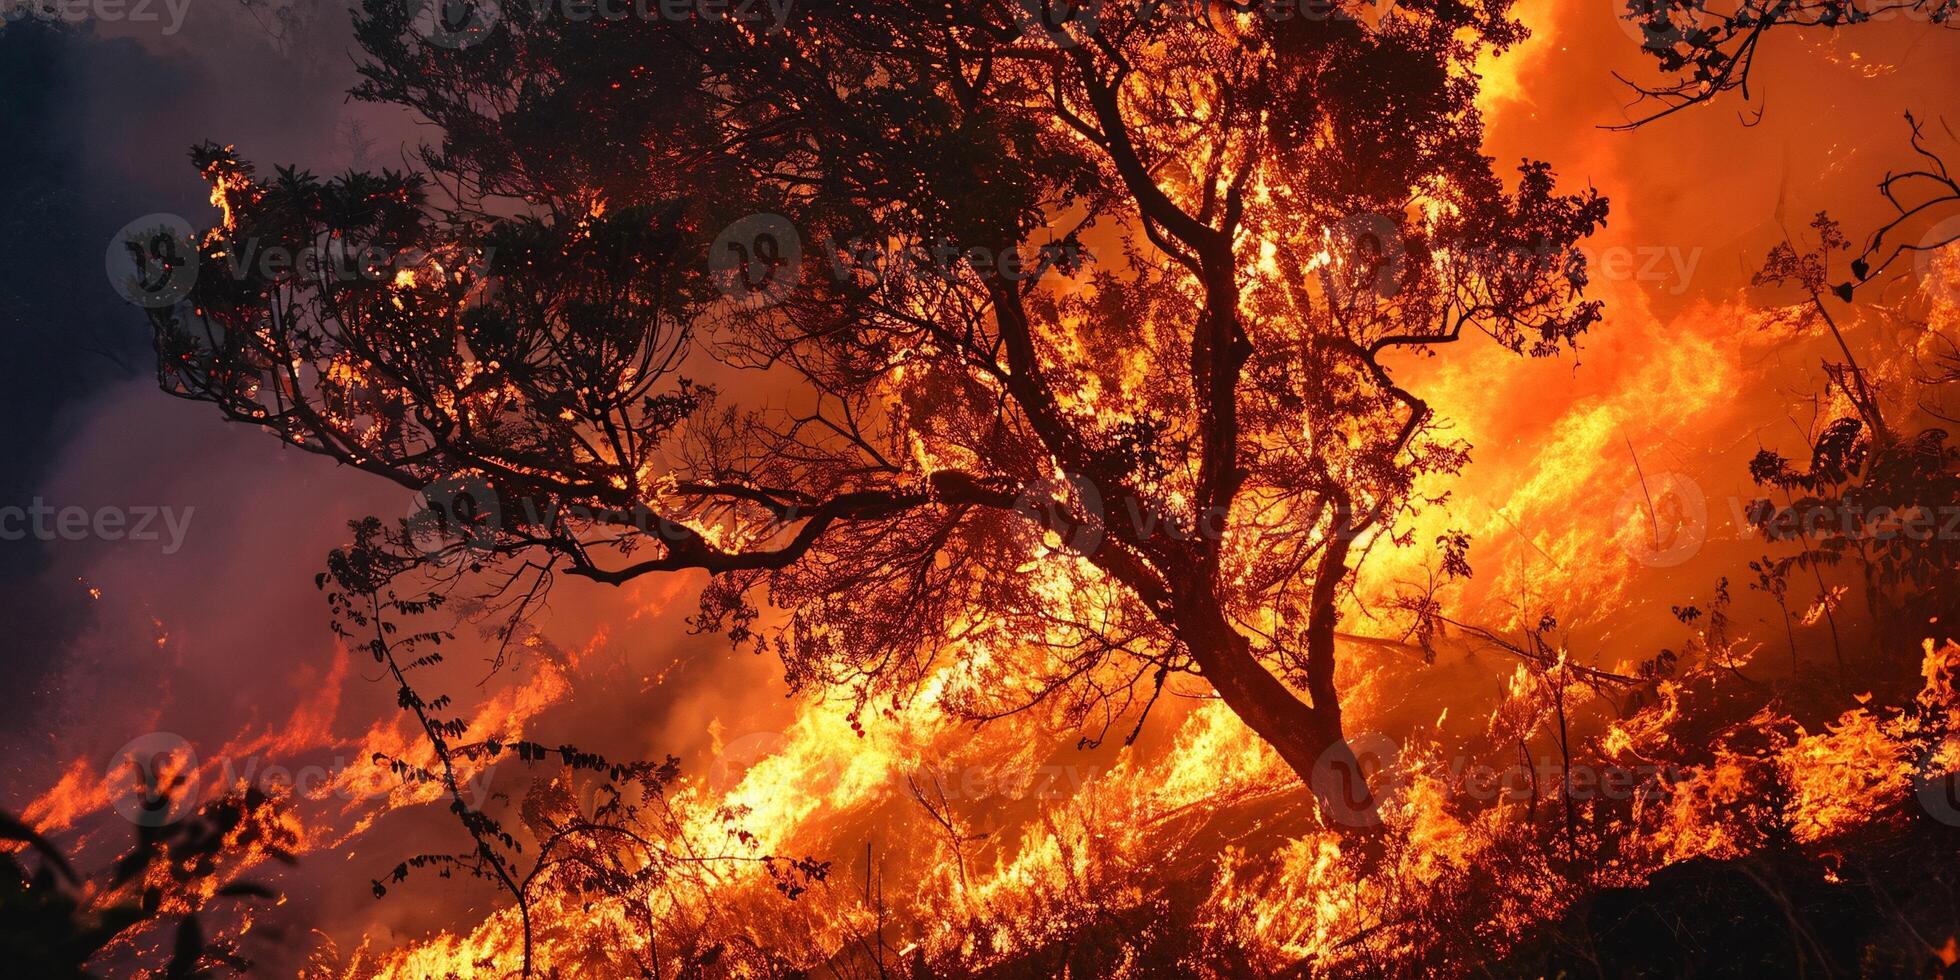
(105, 641)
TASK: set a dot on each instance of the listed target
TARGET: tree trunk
(1307, 736)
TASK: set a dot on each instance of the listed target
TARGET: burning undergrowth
(1140, 616)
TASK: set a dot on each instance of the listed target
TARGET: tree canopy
(1021, 353)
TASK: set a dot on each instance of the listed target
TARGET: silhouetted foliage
(628, 839)
(1162, 467)
(56, 922)
(1705, 50)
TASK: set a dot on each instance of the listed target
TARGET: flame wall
(225, 643)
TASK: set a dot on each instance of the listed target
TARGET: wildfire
(1559, 714)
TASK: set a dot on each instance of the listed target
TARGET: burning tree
(1025, 354)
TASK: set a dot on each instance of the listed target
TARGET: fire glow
(1277, 584)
